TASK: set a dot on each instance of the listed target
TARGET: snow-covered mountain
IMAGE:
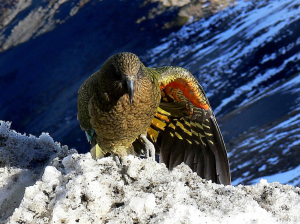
(246, 56)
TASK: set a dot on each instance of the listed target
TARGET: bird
(126, 108)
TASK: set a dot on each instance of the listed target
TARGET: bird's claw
(124, 168)
(149, 148)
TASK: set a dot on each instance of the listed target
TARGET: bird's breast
(124, 121)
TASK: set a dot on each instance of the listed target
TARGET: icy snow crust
(81, 190)
(73, 188)
(22, 161)
(19, 150)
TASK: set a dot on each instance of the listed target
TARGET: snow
(262, 167)
(273, 160)
(246, 88)
(287, 123)
(35, 151)
(272, 147)
(143, 204)
(22, 162)
(283, 178)
(67, 187)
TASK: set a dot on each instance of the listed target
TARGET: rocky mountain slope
(244, 53)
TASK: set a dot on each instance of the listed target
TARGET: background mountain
(244, 53)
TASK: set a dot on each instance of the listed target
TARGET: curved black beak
(130, 87)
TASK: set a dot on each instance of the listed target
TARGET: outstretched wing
(185, 129)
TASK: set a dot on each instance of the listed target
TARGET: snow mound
(79, 189)
(74, 188)
(23, 151)
(22, 162)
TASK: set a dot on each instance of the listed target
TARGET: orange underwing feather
(189, 90)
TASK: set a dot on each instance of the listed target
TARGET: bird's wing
(185, 129)
(85, 95)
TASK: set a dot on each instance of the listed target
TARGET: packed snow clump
(22, 162)
(77, 189)
(19, 150)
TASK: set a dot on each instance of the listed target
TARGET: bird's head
(127, 66)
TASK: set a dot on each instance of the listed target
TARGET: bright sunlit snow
(66, 187)
(291, 176)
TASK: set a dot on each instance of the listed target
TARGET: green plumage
(124, 101)
(103, 103)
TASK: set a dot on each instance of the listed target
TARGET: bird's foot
(97, 152)
(149, 147)
(124, 168)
